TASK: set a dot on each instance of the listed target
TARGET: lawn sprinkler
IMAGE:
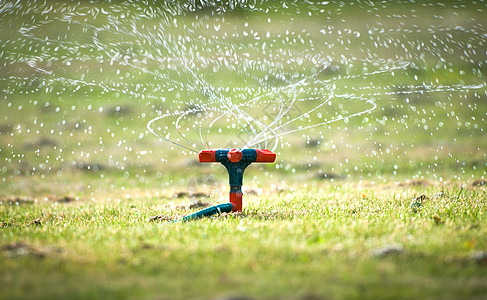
(235, 160)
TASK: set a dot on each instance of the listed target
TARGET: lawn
(338, 241)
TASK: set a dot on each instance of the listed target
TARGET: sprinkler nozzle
(234, 155)
(236, 160)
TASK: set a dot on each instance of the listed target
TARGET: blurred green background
(81, 80)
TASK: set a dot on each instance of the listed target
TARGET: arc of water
(260, 124)
(183, 115)
(299, 117)
(230, 107)
(278, 118)
(211, 124)
(264, 128)
(330, 121)
(267, 128)
(374, 106)
(149, 127)
(280, 115)
(304, 83)
(291, 87)
(227, 103)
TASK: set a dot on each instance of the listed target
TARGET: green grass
(86, 192)
(339, 241)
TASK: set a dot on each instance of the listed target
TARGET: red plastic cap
(264, 155)
(207, 156)
(234, 155)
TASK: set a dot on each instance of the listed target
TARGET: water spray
(235, 161)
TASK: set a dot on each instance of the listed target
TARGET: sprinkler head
(236, 160)
(234, 155)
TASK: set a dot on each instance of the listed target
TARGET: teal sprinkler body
(235, 160)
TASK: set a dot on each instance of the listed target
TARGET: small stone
(387, 250)
(479, 257)
(439, 195)
(160, 218)
(480, 182)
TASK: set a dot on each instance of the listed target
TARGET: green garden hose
(209, 211)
